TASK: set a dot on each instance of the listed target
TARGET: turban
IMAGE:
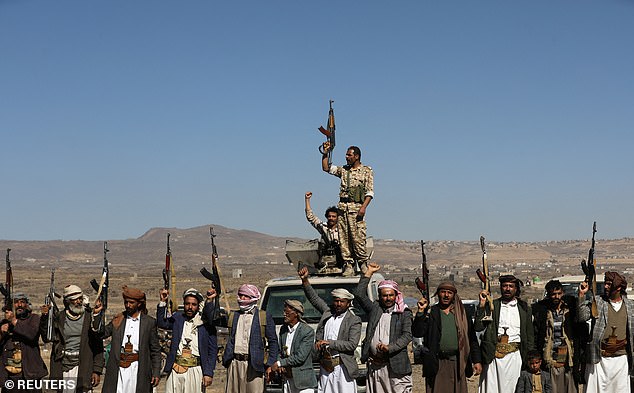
(193, 292)
(618, 281)
(448, 285)
(72, 292)
(389, 284)
(342, 293)
(252, 292)
(295, 305)
(511, 278)
(133, 293)
(21, 296)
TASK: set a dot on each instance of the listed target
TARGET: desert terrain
(247, 256)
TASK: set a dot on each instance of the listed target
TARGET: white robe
(610, 375)
(338, 380)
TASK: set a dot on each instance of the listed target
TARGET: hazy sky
(509, 119)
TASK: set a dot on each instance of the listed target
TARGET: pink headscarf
(251, 291)
(399, 304)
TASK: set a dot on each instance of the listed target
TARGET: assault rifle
(423, 284)
(102, 286)
(52, 307)
(485, 279)
(7, 288)
(214, 276)
(329, 132)
(590, 270)
(169, 277)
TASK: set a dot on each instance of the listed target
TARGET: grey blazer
(349, 331)
(400, 331)
(299, 355)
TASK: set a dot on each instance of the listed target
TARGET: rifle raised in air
(7, 288)
(485, 279)
(329, 132)
(423, 283)
(102, 286)
(169, 278)
(52, 307)
(590, 270)
(214, 276)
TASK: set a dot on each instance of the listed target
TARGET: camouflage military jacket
(356, 183)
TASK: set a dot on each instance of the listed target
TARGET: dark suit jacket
(256, 344)
(91, 358)
(149, 354)
(429, 327)
(207, 340)
(400, 331)
(349, 331)
(299, 359)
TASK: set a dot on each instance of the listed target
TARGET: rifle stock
(169, 277)
(50, 301)
(104, 283)
(592, 261)
(422, 283)
(215, 277)
(484, 277)
(7, 288)
(329, 132)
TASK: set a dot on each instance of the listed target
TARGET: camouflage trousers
(352, 233)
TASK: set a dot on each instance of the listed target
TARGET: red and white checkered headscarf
(399, 303)
(252, 292)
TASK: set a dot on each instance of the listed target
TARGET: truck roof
(283, 281)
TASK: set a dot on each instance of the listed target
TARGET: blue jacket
(256, 344)
(207, 340)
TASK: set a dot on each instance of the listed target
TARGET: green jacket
(489, 338)
(298, 356)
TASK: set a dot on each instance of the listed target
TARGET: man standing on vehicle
(609, 354)
(191, 360)
(447, 332)
(388, 333)
(337, 337)
(330, 252)
(355, 193)
(556, 332)
(296, 341)
(506, 340)
(244, 356)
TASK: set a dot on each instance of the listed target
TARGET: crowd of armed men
(548, 347)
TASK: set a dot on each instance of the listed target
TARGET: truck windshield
(273, 301)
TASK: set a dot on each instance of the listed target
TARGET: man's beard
(76, 310)
(22, 314)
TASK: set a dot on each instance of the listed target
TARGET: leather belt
(243, 357)
(447, 355)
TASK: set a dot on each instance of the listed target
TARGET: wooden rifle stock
(484, 277)
(329, 132)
